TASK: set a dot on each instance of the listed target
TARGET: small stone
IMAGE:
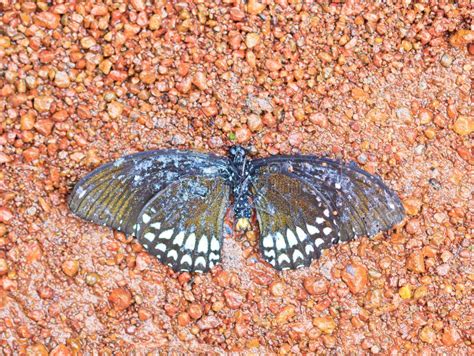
(236, 14)
(420, 292)
(446, 60)
(254, 122)
(405, 292)
(273, 65)
(44, 127)
(233, 299)
(412, 206)
(295, 139)
(87, 42)
(148, 76)
(183, 319)
(43, 103)
(99, 10)
(359, 94)
(376, 116)
(37, 350)
(105, 66)
(27, 121)
(285, 314)
(252, 39)
(61, 80)
(61, 350)
(114, 109)
(315, 286)
(208, 322)
(6, 216)
(325, 57)
(4, 158)
(31, 154)
(355, 276)
(326, 324)
(138, 5)
(450, 336)
(428, 335)
(277, 289)
(3, 266)
(120, 298)
(462, 38)
(425, 116)
(464, 125)
(200, 81)
(195, 311)
(416, 262)
(403, 114)
(254, 7)
(155, 22)
(92, 278)
(443, 269)
(319, 119)
(243, 134)
(70, 267)
(48, 20)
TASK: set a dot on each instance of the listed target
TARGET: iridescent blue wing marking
(183, 224)
(305, 204)
(117, 193)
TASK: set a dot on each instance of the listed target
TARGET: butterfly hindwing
(338, 202)
(114, 194)
(183, 224)
(295, 222)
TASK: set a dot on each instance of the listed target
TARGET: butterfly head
(237, 154)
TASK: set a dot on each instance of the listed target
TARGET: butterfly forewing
(183, 224)
(114, 194)
(346, 200)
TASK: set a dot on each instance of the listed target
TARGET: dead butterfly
(174, 202)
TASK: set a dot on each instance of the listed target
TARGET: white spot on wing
(149, 236)
(337, 185)
(301, 234)
(187, 259)
(213, 256)
(179, 239)
(202, 246)
(292, 241)
(200, 261)
(309, 249)
(166, 234)
(319, 220)
(146, 218)
(172, 254)
(326, 213)
(297, 255)
(312, 229)
(280, 241)
(215, 245)
(156, 225)
(190, 242)
(269, 253)
(318, 242)
(268, 241)
(161, 247)
(327, 231)
(283, 258)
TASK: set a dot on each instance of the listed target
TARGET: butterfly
(174, 203)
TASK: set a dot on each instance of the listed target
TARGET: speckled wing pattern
(123, 193)
(182, 225)
(305, 204)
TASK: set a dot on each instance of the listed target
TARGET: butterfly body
(174, 202)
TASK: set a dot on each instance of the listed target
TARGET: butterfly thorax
(240, 186)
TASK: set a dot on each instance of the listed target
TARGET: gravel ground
(388, 86)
